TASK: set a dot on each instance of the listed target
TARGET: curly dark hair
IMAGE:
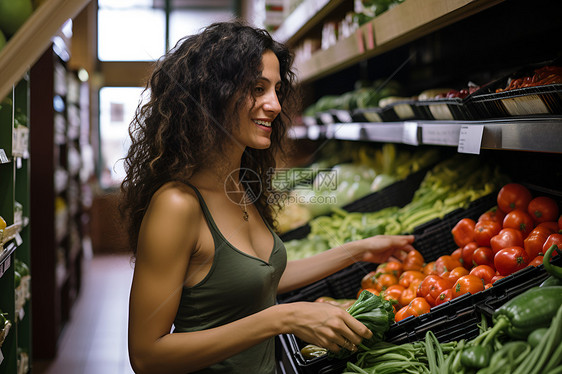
(184, 121)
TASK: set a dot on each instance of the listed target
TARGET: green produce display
(450, 185)
(315, 190)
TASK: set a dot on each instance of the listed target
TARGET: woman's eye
(259, 90)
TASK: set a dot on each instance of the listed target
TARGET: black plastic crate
(445, 109)
(458, 319)
(539, 100)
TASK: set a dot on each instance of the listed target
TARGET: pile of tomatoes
(509, 237)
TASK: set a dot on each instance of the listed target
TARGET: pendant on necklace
(245, 216)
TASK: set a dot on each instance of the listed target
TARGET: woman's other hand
(383, 248)
(325, 325)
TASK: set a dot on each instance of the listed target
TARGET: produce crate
(538, 100)
(459, 318)
(452, 320)
(398, 194)
(445, 109)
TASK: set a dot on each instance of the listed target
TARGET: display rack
(57, 196)
(15, 297)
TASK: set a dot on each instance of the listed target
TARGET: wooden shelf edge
(34, 36)
(397, 26)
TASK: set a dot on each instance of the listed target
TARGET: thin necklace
(245, 208)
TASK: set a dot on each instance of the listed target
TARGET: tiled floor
(95, 339)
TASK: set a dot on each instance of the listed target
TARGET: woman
(208, 265)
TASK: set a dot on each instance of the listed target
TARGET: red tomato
(393, 292)
(494, 214)
(385, 280)
(445, 263)
(393, 267)
(543, 209)
(467, 284)
(410, 293)
(484, 272)
(409, 276)
(520, 220)
(497, 277)
(429, 268)
(483, 256)
(534, 243)
(444, 296)
(514, 196)
(402, 313)
(553, 239)
(414, 261)
(419, 306)
(484, 231)
(454, 274)
(463, 232)
(536, 261)
(551, 225)
(431, 287)
(457, 254)
(510, 259)
(507, 237)
(467, 252)
(369, 280)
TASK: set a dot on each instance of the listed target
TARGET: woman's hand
(325, 325)
(383, 248)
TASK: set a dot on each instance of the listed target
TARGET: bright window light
(130, 31)
(117, 108)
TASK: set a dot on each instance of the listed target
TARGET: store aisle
(95, 339)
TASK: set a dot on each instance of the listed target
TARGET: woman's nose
(272, 103)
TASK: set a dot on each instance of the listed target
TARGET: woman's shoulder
(176, 199)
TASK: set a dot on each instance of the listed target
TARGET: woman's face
(255, 122)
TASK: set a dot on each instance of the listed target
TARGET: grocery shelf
(34, 36)
(397, 26)
(538, 134)
(307, 15)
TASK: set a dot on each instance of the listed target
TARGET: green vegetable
(553, 270)
(551, 281)
(536, 336)
(528, 311)
(477, 356)
(547, 355)
(374, 312)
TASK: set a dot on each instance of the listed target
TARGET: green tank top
(236, 286)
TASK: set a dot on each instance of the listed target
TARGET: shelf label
(410, 133)
(440, 134)
(3, 157)
(470, 139)
(360, 44)
(370, 36)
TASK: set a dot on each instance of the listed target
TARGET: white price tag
(470, 139)
(410, 133)
(19, 240)
(3, 157)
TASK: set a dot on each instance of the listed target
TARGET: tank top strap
(217, 236)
